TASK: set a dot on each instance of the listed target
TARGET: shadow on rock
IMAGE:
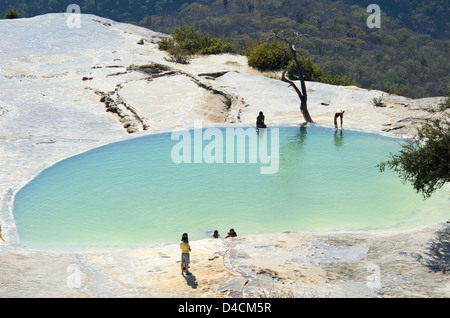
(191, 280)
(437, 255)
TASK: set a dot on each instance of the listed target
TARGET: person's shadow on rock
(191, 280)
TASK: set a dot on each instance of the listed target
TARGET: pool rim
(7, 209)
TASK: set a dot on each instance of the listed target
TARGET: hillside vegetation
(408, 55)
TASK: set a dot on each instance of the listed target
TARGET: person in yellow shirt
(185, 254)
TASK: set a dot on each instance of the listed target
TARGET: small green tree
(12, 14)
(424, 161)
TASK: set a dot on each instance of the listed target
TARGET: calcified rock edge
(64, 91)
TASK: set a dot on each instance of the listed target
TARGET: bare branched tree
(290, 42)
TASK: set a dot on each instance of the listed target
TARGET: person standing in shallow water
(338, 114)
(185, 254)
(260, 121)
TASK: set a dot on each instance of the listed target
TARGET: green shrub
(196, 42)
(186, 41)
(12, 14)
(166, 44)
(178, 55)
(378, 102)
(270, 56)
(311, 72)
(216, 46)
(267, 56)
(188, 38)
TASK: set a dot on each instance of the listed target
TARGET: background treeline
(408, 55)
(393, 58)
(118, 10)
(429, 17)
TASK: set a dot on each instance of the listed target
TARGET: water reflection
(301, 135)
(338, 138)
(292, 150)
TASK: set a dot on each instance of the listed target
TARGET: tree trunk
(303, 97)
(305, 112)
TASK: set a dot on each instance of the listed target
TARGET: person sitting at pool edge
(232, 233)
(260, 121)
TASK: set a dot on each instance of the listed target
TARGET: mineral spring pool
(139, 192)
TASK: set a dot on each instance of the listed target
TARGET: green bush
(216, 46)
(311, 72)
(196, 42)
(12, 14)
(267, 56)
(186, 41)
(270, 56)
(166, 44)
(177, 55)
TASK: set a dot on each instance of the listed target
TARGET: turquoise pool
(132, 193)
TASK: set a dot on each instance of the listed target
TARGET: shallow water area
(133, 193)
